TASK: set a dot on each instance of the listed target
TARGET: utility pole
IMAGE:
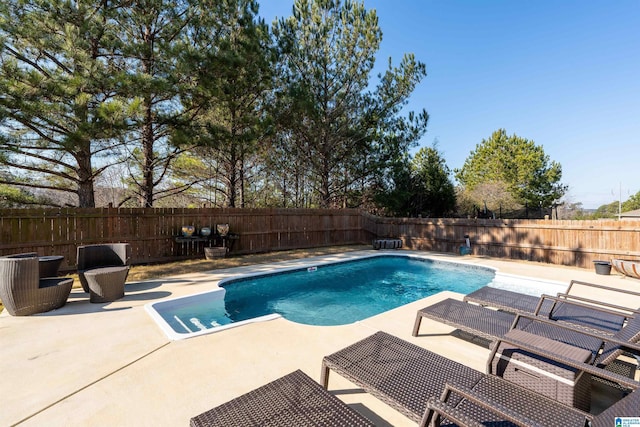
(620, 203)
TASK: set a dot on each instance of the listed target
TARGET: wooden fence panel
(574, 243)
(152, 232)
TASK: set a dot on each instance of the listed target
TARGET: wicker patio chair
(614, 347)
(48, 265)
(23, 292)
(517, 409)
(22, 255)
(516, 302)
(493, 324)
(292, 400)
(406, 376)
(103, 270)
(475, 405)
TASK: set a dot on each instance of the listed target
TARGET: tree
(58, 109)
(514, 163)
(611, 210)
(418, 187)
(493, 194)
(395, 191)
(632, 203)
(343, 132)
(570, 210)
(232, 58)
(16, 197)
(152, 36)
(435, 189)
(142, 83)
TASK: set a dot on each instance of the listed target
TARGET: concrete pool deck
(110, 364)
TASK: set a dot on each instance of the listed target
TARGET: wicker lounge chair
(441, 412)
(292, 400)
(515, 302)
(103, 270)
(614, 348)
(23, 292)
(493, 324)
(406, 376)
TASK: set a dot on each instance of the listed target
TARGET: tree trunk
(86, 195)
(232, 166)
(241, 179)
(148, 158)
(325, 185)
(232, 177)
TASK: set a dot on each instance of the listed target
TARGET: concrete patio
(110, 364)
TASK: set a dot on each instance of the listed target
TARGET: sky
(564, 74)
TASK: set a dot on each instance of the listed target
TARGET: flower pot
(602, 267)
(222, 229)
(188, 230)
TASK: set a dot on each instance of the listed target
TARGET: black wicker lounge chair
(292, 400)
(23, 292)
(406, 377)
(490, 399)
(103, 270)
(494, 324)
(516, 302)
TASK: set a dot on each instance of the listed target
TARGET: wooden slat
(151, 233)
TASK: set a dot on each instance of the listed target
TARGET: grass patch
(146, 272)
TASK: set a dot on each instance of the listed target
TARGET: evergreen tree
(420, 186)
(232, 59)
(519, 164)
(59, 111)
(343, 133)
(395, 192)
(152, 34)
(435, 191)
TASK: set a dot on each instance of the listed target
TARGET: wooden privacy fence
(152, 233)
(572, 243)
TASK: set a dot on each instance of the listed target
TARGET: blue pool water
(344, 293)
(324, 295)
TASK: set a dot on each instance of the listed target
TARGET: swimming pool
(320, 294)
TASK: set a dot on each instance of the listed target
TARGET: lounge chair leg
(324, 376)
(428, 417)
(416, 325)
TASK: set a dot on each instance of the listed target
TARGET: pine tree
(232, 60)
(434, 188)
(517, 164)
(342, 132)
(151, 38)
(59, 111)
